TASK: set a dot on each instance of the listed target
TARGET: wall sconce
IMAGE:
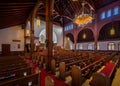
(38, 22)
(28, 32)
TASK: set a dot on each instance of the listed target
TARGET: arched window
(111, 46)
(98, 46)
(80, 46)
(116, 11)
(90, 46)
(102, 15)
(42, 36)
(109, 13)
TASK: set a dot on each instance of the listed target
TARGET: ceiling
(16, 12)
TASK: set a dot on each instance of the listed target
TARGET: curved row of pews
(14, 71)
(106, 75)
(74, 69)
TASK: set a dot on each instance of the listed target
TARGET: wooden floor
(116, 80)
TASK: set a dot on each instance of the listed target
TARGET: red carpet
(44, 73)
(107, 70)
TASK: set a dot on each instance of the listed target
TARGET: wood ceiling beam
(16, 6)
(55, 17)
(24, 3)
(14, 14)
(15, 9)
(17, 12)
(72, 7)
(43, 12)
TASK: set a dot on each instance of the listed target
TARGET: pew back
(31, 80)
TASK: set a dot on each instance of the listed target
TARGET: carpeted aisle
(56, 81)
(44, 73)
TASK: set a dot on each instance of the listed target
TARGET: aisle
(116, 80)
(44, 73)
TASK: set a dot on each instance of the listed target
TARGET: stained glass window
(102, 15)
(109, 13)
(116, 11)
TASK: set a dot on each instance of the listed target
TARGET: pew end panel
(77, 78)
(53, 67)
(100, 79)
(49, 81)
(62, 70)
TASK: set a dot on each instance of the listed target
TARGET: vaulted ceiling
(16, 12)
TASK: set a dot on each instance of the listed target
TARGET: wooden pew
(10, 62)
(9, 58)
(77, 73)
(65, 69)
(77, 78)
(30, 80)
(12, 65)
(55, 64)
(5, 76)
(7, 61)
(13, 68)
(105, 76)
(92, 64)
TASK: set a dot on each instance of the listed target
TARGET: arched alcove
(85, 35)
(42, 36)
(71, 37)
(68, 41)
(110, 31)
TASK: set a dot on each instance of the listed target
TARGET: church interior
(59, 43)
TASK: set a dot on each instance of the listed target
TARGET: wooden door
(5, 49)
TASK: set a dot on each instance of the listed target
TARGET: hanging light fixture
(74, 0)
(85, 15)
(38, 22)
(112, 30)
(28, 32)
(84, 36)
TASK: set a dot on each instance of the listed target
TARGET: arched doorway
(69, 41)
(42, 38)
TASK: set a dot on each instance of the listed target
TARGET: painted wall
(85, 46)
(57, 30)
(13, 36)
(102, 45)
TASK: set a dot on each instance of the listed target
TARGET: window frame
(111, 46)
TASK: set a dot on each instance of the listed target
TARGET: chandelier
(85, 15)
